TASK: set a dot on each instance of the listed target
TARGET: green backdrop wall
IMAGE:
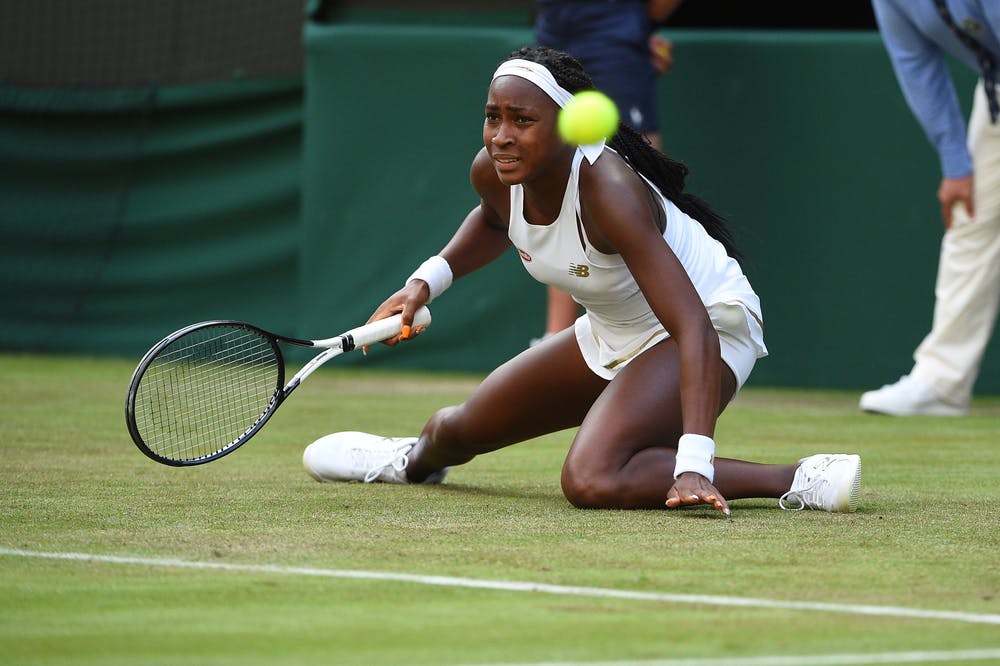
(300, 205)
(125, 214)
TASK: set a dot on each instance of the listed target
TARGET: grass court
(108, 558)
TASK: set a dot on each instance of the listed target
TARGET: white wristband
(695, 453)
(436, 273)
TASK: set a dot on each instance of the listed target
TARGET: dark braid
(666, 173)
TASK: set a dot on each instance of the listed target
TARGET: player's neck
(544, 193)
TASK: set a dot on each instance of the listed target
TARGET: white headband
(542, 77)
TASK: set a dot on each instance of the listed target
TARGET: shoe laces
(376, 463)
(809, 493)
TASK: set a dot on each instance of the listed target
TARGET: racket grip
(382, 329)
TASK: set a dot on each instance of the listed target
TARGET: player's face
(520, 130)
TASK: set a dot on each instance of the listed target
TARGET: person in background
(615, 42)
(918, 34)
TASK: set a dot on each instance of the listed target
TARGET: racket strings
(205, 390)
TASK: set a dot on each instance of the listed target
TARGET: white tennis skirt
(741, 341)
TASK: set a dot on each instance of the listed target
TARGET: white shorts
(741, 341)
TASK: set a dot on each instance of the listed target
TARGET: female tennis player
(671, 329)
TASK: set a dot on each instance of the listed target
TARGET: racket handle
(382, 329)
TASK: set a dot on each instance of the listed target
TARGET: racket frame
(361, 336)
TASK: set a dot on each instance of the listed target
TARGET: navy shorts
(611, 39)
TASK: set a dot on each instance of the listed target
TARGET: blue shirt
(917, 41)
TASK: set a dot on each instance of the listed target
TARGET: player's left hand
(693, 488)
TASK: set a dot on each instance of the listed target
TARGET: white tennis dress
(619, 324)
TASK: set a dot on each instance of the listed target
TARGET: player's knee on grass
(588, 489)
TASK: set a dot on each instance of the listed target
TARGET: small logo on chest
(579, 270)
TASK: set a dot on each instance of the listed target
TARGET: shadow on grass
(761, 507)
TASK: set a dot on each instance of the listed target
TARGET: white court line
(518, 586)
(922, 657)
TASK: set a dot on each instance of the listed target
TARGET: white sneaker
(827, 481)
(359, 456)
(909, 397)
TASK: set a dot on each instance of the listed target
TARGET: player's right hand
(406, 302)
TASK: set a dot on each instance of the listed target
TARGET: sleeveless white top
(559, 254)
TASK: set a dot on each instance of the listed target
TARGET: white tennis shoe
(827, 481)
(360, 456)
(909, 397)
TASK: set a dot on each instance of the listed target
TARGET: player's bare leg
(623, 455)
(544, 389)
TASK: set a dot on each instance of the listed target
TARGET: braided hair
(666, 173)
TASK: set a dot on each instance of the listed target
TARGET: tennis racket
(203, 391)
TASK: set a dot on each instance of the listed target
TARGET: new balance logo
(579, 270)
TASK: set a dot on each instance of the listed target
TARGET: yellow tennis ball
(588, 118)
